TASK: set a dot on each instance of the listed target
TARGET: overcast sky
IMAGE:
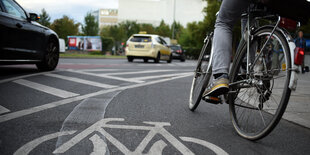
(75, 9)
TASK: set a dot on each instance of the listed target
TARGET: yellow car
(146, 46)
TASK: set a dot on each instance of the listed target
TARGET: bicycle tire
(201, 76)
(232, 97)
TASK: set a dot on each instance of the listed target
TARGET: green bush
(96, 53)
(192, 52)
(107, 43)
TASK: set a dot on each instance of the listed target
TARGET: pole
(173, 24)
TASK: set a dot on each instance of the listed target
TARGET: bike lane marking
(100, 146)
(21, 113)
(27, 148)
(206, 144)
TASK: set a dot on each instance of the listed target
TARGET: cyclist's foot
(219, 86)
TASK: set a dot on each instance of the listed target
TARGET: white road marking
(46, 89)
(100, 70)
(137, 72)
(107, 76)
(24, 76)
(214, 148)
(32, 110)
(3, 110)
(159, 76)
(82, 81)
(100, 146)
(27, 148)
(156, 128)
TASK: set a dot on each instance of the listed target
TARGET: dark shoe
(218, 87)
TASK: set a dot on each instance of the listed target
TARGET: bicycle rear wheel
(258, 100)
(202, 74)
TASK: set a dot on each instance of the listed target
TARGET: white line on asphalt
(32, 110)
(82, 81)
(46, 89)
(107, 76)
(159, 76)
(217, 150)
(99, 70)
(3, 110)
(137, 72)
(100, 147)
(27, 148)
(24, 76)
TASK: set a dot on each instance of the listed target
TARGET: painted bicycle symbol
(100, 145)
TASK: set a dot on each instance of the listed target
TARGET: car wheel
(51, 57)
(157, 59)
(146, 60)
(182, 60)
(170, 59)
(130, 59)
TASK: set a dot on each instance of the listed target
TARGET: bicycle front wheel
(202, 74)
(258, 100)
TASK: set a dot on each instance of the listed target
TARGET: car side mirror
(33, 17)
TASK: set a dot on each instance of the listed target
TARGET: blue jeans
(229, 13)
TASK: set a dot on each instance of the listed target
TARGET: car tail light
(288, 24)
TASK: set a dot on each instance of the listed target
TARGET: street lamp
(173, 24)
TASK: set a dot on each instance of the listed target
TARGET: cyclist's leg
(230, 11)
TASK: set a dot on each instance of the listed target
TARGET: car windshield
(175, 47)
(141, 39)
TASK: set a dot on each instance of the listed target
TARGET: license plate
(139, 46)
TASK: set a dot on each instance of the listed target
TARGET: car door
(23, 35)
(7, 40)
(165, 49)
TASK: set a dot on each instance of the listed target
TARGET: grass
(74, 55)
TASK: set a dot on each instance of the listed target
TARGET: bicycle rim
(257, 106)
(201, 77)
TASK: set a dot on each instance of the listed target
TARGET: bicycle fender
(292, 46)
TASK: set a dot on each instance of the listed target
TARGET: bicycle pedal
(212, 100)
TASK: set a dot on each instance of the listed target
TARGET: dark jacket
(300, 44)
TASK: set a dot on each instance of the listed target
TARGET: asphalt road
(104, 106)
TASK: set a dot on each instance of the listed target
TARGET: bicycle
(262, 75)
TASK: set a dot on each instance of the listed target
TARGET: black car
(177, 52)
(23, 40)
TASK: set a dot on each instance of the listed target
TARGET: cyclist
(230, 11)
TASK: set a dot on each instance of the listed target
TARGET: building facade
(106, 17)
(153, 11)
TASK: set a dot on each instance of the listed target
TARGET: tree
(65, 27)
(148, 28)
(44, 18)
(163, 29)
(178, 28)
(130, 28)
(91, 27)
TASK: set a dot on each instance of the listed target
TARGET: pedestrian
(301, 43)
